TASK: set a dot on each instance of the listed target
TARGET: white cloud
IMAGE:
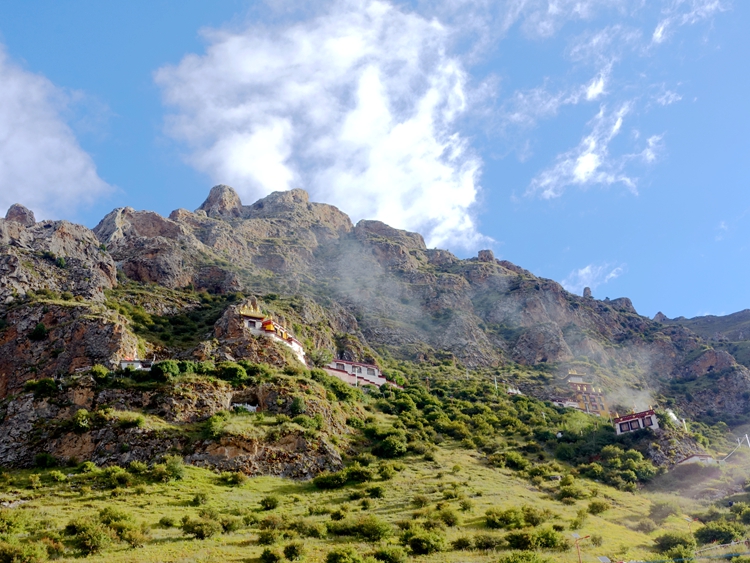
(589, 163)
(685, 12)
(667, 98)
(592, 276)
(42, 165)
(359, 106)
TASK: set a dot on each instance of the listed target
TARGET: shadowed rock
(222, 202)
(20, 214)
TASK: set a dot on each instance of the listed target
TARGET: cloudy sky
(599, 143)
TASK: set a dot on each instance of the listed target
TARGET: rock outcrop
(378, 286)
(20, 214)
(52, 255)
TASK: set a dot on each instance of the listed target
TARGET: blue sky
(599, 143)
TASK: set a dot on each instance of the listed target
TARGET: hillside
(357, 291)
(228, 448)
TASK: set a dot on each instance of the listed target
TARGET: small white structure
(262, 325)
(636, 421)
(137, 365)
(246, 406)
(698, 458)
(565, 403)
(356, 374)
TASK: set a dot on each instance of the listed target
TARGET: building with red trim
(636, 421)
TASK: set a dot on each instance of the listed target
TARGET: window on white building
(370, 371)
(340, 366)
(624, 427)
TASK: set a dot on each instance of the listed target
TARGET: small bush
(462, 544)
(598, 506)
(268, 537)
(45, 460)
(670, 540)
(22, 553)
(390, 554)
(376, 492)
(423, 542)
(646, 525)
(167, 522)
(294, 551)
(89, 537)
(175, 466)
(510, 519)
(720, 532)
(420, 501)
(522, 557)
(233, 478)
(270, 556)
(344, 554)
(200, 528)
(269, 502)
(38, 333)
(486, 542)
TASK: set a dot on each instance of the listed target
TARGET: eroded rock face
(20, 214)
(31, 426)
(54, 255)
(222, 202)
(78, 335)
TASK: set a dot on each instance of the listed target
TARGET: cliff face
(75, 335)
(367, 288)
(53, 255)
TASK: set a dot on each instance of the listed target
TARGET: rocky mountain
(360, 291)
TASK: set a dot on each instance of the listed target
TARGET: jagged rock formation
(20, 214)
(76, 335)
(371, 287)
(34, 425)
(53, 255)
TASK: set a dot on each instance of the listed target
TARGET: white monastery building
(636, 421)
(263, 325)
(355, 373)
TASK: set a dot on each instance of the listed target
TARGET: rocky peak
(222, 202)
(660, 317)
(20, 214)
(378, 229)
(587, 293)
(280, 202)
(486, 256)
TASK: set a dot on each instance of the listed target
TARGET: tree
(39, 333)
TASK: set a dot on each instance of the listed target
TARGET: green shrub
(509, 519)
(367, 528)
(522, 557)
(45, 460)
(663, 509)
(82, 420)
(175, 466)
(233, 478)
(233, 372)
(462, 544)
(268, 537)
(166, 370)
(137, 467)
(270, 556)
(390, 554)
(392, 446)
(269, 502)
(298, 406)
(486, 542)
(376, 492)
(344, 554)
(670, 540)
(720, 532)
(331, 480)
(110, 515)
(598, 506)
(521, 539)
(39, 333)
(550, 539)
(420, 501)
(200, 528)
(294, 551)
(22, 553)
(516, 461)
(12, 522)
(423, 542)
(99, 372)
(167, 522)
(88, 537)
(43, 388)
